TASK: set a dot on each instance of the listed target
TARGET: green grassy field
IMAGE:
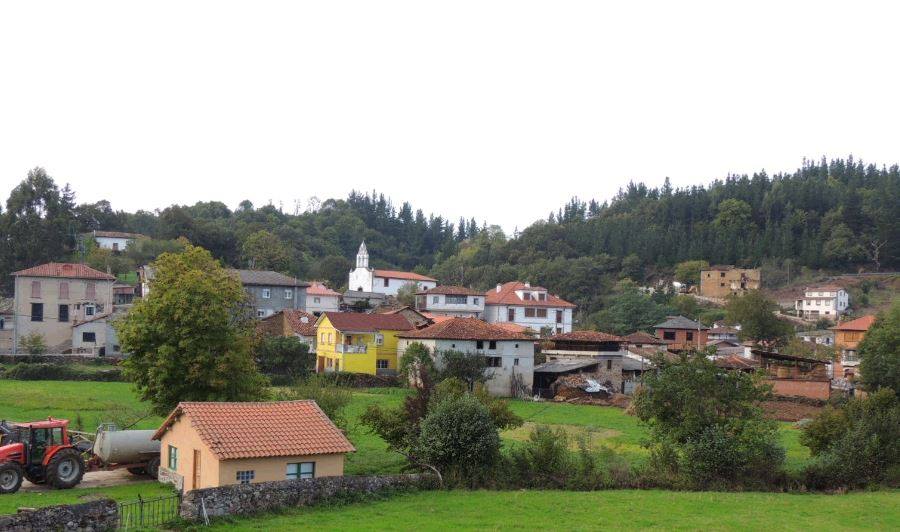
(603, 510)
(37, 499)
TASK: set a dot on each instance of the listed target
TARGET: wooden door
(196, 469)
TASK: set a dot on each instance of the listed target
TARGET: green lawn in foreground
(38, 499)
(599, 510)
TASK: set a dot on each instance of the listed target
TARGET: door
(196, 484)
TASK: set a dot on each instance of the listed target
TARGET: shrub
(415, 356)
(331, 399)
(33, 344)
(879, 352)
(467, 367)
(285, 356)
(61, 372)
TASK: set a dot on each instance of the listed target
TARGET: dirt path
(96, 479)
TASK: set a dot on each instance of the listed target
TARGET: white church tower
(362, 277)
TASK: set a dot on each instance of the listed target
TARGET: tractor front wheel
(65, 469)
(11, 476)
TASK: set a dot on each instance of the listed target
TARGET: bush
(331, 399)
(61, 372)
(33, 344)
(467, 367)
(284, 356)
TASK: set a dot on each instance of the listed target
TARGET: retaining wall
(91, 516)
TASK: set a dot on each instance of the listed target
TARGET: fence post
(140, 510)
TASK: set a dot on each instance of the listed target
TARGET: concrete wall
(105, 337)
(437, 303)
(394, 285)
(361, 280)
(318, 304)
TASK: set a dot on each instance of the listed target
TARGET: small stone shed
(210, 444)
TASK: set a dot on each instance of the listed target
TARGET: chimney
(499, 286)
(527, 285)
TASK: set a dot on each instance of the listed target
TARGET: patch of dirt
(95, 479)
(790, 411)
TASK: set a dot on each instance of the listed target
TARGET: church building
(387, 282)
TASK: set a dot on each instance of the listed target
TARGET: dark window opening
(37, 312)
(63, 313)
(88, 337)
(668, 335)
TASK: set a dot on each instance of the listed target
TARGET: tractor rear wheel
(65, 469)
(11, 476)
(153, 467)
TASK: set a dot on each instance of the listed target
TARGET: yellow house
(209, 444)
(359, 343)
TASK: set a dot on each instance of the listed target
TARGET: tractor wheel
(153, 467)
(35, 476)
(65, 469)
(11, 476)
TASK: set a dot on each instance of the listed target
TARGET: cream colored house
(209, 444)
(51, 297)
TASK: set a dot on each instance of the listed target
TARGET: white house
(828, 301)
(510, 355)
(387, 282)
(451, 301)
(320, 298)
(114, 240)
(528, 306)
(97, 335)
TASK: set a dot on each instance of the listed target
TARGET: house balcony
(351, 349)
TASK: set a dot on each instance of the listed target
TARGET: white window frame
(260, 313)
(245, 477)
(89, 310)
(266, 293)
(288, 293)
(379, 339)
(300, 470)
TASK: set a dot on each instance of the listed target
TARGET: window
(668, 335)
(288, 294)
(35, 289)
(386, 282)
(115, 246)
(559, 316)
(89, 310)
(479, 344)
(492, 344)
(173, 458)
(542, 297)
(721, 274)
(494, 362)
(515, 362)
(529, 312)
(526, 296)
(690, 336)
(90, 291)
(435, 299)
(456, 300)
(721, 284)
(2, 324)
(244, 477)
(609, 364)
(517, 346)
(301, 470)
(89, 337)
(63, 290)
(37, 312)
(317, 300)
(63, 313)
(381, 363)
(260, 312)
(330, 338)
(379, 339)
(541, 313)
(266, 293)
(474, 300)
(511, 314)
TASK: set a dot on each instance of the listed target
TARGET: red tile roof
(514, 327)
(452, 290)
(257, 430)
(316, 288)
(507, 296)
(587, 336)
(735, 362)
(641, 337)
(824, 288)
(437, 318)
(295, 320)
(859, 324)
(464, 329)
(354, 321)
(394, 274)
(64, 269)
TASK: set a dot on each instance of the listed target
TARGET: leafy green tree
(879, 352)
(264, 251)
(190, 338)
(406, 294)
(284, 355)
(756, 315)
(688, 272)
(469, 368)
(416, 356)
(333, 269)
(629, 310)
(33, 344)
(733, 215)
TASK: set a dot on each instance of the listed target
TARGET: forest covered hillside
(839, 215)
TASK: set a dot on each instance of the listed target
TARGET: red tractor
(40, 452)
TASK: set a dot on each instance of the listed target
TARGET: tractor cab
(41, 452)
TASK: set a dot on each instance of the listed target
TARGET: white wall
(360, 278)
(104, 333)
(106, 242)
(499, 314)
(324, 303)
(394, 285)
(468, 309)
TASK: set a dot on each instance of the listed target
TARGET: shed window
(173, 458)
(301, 470)
(244, 477)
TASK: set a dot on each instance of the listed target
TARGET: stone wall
(87, 517)
(245, 499)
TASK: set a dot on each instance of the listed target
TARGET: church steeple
(362, 256)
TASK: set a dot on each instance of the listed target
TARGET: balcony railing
(345, 348)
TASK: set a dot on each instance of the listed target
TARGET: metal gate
(148, 512)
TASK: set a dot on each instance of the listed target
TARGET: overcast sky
(494, 110)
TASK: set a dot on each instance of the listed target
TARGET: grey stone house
(271, 291)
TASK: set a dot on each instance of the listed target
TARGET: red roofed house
(290, 322)
(510, 355)
(387, 282)
(847, 337)
(320, 298)
(359, 343)
(206, 445)
(451, 301)
(529, 306)
(608, 350)
(51, 297)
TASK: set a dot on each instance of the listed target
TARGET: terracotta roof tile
(641, 337)
(64, 269)
(354, 321)
(256, 430)
(859, 324)
(295, 319)
(507, 296)
(394, 274)
(316, 288)
(452, 290)
(587, 336)
(464, 329)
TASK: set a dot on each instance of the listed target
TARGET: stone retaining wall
(246, 499)
(91, 516)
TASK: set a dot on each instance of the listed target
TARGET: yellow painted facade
(355, 351)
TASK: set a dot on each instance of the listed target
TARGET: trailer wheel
(65, 469)
(11, 476)
(153, 467)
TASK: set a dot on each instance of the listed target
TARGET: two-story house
(271, 291)
(387, 282)
(682, 333)
(528, 306)
(457, 301)
(722, 281)
(49, 298)
(847, 337)
(320, 298)
(509, 355)
(358, 343)
(827, 301)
